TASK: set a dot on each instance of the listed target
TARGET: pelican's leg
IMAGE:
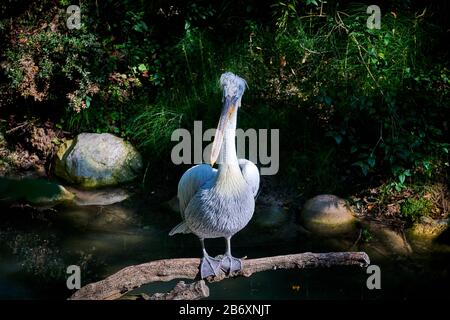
(229, 263)
(209, 266)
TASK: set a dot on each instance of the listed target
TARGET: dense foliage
(353, 104)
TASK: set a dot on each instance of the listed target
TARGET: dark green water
(36, 248)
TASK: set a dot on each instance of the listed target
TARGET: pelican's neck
(229, 165)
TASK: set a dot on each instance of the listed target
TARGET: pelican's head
(233, 88)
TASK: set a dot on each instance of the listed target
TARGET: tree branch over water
(132, 277)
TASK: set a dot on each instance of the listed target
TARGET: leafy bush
(374, 89)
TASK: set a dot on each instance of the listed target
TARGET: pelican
(218, 203)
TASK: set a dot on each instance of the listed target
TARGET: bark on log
(193, 291)
(132, 277)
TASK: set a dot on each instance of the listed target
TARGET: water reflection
(37, 247)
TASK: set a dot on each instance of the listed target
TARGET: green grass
(413, 209)
(153, 128)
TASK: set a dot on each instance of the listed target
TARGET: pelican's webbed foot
(209, 266)
(230, 264)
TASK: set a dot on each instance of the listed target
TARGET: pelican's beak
(229, 107)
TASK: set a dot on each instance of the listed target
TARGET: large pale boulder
(327, 215)
(97, 160)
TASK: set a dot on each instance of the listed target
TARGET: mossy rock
(34, 191)
(328, 215)
(94, 160)
(429, 228)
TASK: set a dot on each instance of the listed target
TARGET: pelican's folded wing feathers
(251, 174)
(189, 184)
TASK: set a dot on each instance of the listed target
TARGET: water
(36, 248)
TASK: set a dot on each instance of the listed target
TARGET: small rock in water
(386, 240)
(34, 191)
(172, 205)
(327, 215)
(97, 160)
(270, 217)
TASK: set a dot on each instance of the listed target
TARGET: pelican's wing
(251, 174)
(189, 184)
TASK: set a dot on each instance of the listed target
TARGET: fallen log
(132, 277)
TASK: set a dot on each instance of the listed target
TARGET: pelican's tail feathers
(181, 228)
